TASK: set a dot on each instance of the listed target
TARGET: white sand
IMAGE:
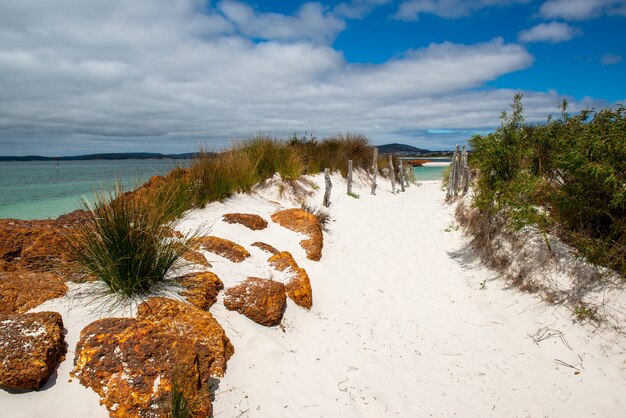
(400, 326)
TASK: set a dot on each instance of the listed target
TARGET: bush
(123, 242)
(567, 175)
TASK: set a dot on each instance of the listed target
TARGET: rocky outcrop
(201, 289)
(22, 290)
(298, 288)
(261, 300)
(134, 364)
(252, 221)
(302, 221)
(265, 247)
(31, 348)
(220, 246)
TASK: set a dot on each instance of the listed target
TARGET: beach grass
(123, 242)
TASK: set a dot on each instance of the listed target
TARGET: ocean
(40, 190)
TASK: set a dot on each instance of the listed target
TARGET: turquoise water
(429, 173)
(38, 190)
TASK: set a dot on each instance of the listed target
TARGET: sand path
(402, 326)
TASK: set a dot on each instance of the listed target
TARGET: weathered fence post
(392, 174)
(374, 170)
(458, 172)
(466, 174)
(452, 174)
(401, 177)
(329, 186)
(349, 176)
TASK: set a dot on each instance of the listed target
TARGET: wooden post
(466, 174)
(329, 186)
(452, 174)
(401, 177)
(374, 170)
(392, 174)
(457, 172)
(349, 176)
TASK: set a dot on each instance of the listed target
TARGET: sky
(91, 76)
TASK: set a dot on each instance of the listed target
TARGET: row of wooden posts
(459, 180)
(402, 177)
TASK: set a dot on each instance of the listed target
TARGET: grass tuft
(123, 242)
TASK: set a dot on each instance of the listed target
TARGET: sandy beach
(405, 322)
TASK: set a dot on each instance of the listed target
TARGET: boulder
(252, 221)
(306, 223)
(31, 348)
(196, 257)
(265, 247)
(201, 289)
(22, 290)
(220, 246)
(261, 300)
(136, 364)
(298, 288)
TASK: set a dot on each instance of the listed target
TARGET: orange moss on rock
(220, 246)
(23, 290)
(299, 287)
(32, 346)
(263, 301)
(265, 247)
(201, 289)
(304, 222)
(134, 363)
(249, 220)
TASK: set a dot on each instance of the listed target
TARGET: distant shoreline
(104, 156)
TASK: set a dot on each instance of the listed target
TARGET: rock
(22, 290)
(31, 348)
(196, 257)
(213, 346)
(133, 364)
(220, 246)
(265, 247)
(302, 221)
(261, 300)
(201, 289)
(252, 221)
(299, 286)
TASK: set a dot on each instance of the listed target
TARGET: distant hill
(104, 156)
(407, 150)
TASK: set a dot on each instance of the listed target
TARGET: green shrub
(123, 242)
(567, 175)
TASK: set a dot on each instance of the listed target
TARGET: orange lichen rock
(196, 257)
(220, 246)
(23, 290)
(249, 220)
(134, 363)
(299, 286)
(265, 247)
(261, 300)
(31, 348)
(201, 289)
(302, 221)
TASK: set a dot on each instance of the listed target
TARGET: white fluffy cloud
(582, 9)
(552, 32)
(448, 9)
(163, 75)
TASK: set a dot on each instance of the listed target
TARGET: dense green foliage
(567, 175)
(123, 243)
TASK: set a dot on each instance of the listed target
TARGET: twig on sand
(546, 333)
(562, 363)
(243, 412)
(346, 389)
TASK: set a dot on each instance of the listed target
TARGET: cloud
(410, 10)
(553, 32)
(311, 22)
(581, 9)
(357, 9)
(611, 59)
(163, 75)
